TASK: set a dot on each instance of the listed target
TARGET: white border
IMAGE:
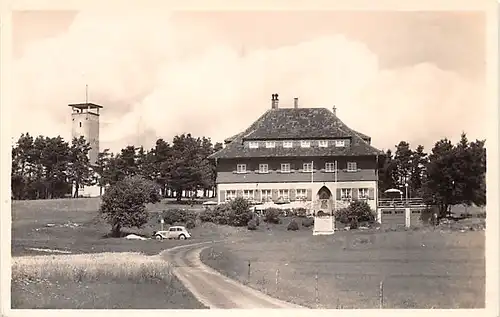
(492, 236)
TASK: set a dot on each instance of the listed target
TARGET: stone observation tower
(85, 122)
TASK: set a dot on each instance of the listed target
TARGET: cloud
(157, 79)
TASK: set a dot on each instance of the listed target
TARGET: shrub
(358, 210)
(301, 212)
(308, 222)
(272, 215)
(190, 224)
(293, 225)
(240, 213)
(353, 223)
(252, 224)
(124, 203)
(173, 216)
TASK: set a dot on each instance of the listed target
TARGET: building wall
(226, 170)
(86, 124)
(311, 189)
(89, 191)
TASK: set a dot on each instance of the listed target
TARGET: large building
(85, 122)
(290, 154)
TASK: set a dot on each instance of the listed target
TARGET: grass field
(420, 268)
(117, 279)
(105, 280)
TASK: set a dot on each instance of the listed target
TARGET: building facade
(85, 122)
(299, 155)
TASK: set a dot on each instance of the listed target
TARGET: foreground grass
(86, 278)
(98, 281)
(419, 269)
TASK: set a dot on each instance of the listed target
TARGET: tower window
(80, 124)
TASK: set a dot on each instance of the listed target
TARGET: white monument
(324, 209)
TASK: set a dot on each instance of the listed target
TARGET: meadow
(62, 258)
(419, 268)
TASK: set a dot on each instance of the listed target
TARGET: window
(283, 194)
(80, 124)
(363, 193)
(266, 195)
(339, 143)
(263, 168)
(270, 144)
(352, 167)
(248, 194)
(323, 143)
(345, 194)
(307, 167)
(253, 145)
(329, 167)
(230, 194)
(285, 168)
(305, 143)
(301, 193)
(241, 168)
(287, 144)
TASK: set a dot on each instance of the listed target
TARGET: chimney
(334, 110)
(295, 103)
(274, 101)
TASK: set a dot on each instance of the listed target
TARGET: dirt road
(213, 289)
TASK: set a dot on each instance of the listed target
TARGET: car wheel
(182, 237)
(158, 237)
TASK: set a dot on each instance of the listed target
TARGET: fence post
(248, 271)
(316, 289)
(277, 279)
(381, 294)
(407, 217)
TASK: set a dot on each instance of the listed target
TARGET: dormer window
(263, 168)
(352, 167)
(270, 144)
(253, 145)
(323, 143)
(305, 143)
(287, 144)
(241, 168)
(339, 143)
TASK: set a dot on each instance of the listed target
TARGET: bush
(124, 203)
(240, 213)
(293, 225)
(190, 224)
(358, 210)
(174, 216)
(308, 222)
(353, 224)
(301, 212)
(272, 215)
(252, 224)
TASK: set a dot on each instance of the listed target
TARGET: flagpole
(312, 172)
(312, 181)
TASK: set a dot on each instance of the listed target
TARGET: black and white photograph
(268, 158)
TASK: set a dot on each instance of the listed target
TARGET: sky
(414, 76)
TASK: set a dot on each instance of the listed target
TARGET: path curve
(210, 287)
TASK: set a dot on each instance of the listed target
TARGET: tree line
(450, 174)
(46, 168)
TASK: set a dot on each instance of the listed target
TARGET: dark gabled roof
(293, 123)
